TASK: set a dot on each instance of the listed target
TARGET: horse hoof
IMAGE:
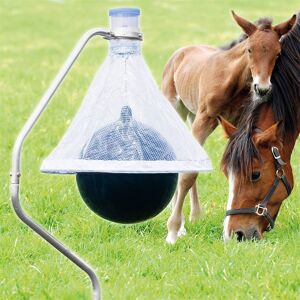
(171, 238)
(181, 232)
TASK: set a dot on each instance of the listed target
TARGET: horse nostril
(255, 235)
(255, 88)
(240, 235)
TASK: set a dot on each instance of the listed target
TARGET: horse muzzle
(251, 233)
(262, 90)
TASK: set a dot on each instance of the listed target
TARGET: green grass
(133, 262)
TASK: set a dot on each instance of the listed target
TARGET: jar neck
(124, 47)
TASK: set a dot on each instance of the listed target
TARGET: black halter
(261, 208)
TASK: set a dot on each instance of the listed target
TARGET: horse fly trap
(126, 143)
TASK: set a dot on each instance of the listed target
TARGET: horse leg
(196, 210)
(174, 198)
(202, 127)
(183, 113)
(176, 220)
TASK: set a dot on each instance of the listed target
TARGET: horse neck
(266, 119)
(289, 143)
(237, 60)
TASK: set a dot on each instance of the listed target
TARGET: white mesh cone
(125, 124)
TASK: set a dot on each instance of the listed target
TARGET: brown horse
(255, 173)
(253, 203)
(202, 82)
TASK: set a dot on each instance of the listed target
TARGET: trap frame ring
(16, 160)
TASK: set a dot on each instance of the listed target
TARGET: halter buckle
(260, 210)
(276, 153)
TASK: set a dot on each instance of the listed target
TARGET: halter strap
(261, 208)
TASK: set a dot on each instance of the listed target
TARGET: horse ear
(269, 136)
(247, 26)
(285, 27)
(228, 128)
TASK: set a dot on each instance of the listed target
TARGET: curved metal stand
(16, 161)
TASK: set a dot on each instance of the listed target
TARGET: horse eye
(255, 176)
(249, 50)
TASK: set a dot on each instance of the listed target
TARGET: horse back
(182, 74)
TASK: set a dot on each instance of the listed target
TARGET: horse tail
(168, 83)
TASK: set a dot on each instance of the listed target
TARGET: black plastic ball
(126, 198)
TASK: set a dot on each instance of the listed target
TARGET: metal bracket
(109, 35)
(16, 160)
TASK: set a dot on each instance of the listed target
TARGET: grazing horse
(202, 82)
(255, 195)
(259, 180)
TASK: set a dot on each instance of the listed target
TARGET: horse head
(262, 49)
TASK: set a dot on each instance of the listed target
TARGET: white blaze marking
(256, 79)
(231, 179)
(262, 85)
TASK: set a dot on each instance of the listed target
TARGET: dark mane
(262, 23)
(285, 101)
(285, 96)
(240, 150)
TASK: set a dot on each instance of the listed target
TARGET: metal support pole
(16, 162)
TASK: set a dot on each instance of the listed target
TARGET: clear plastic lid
(124, 20)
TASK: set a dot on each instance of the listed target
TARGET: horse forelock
(264, 23)
(241, 150)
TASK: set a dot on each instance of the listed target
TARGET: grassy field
(133, 262)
